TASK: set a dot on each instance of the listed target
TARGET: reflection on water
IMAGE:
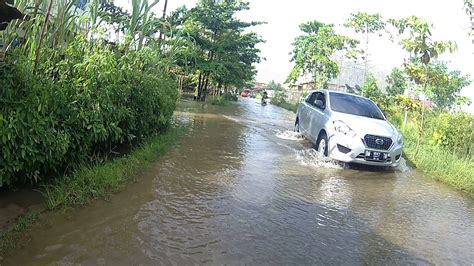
(240, 188)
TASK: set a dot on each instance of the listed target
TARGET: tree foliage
(371, 90)
(314, 50)
(416, 38)
(224, 51)
(469, 6)
(366, 24)
(273, 85)
(69, 96)
(397, 82)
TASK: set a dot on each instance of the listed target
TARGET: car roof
(340, 92)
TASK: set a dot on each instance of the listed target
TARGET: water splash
(310, 157)
(403, 167)
(289, 135)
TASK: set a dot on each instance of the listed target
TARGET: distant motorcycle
(264, 98)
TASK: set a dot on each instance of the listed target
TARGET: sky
(283, 18)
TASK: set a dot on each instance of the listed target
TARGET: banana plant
(140, 20)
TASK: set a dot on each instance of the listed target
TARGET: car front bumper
(355, 151)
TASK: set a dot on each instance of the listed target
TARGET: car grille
(377, 142)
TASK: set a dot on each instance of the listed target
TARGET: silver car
(349, 128)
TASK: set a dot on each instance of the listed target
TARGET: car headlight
(400, 139)
(343, 128)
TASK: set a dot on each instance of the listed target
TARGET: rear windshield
(349, 104)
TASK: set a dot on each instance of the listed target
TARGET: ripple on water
(289, 135)
(310, 157)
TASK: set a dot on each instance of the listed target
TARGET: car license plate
(375, 156)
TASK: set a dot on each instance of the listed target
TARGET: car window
(350, 104)
(320, 96)
(316, 96)
(311, 98)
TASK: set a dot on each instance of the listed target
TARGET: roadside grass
(219, 101)
(101, 181)
(442, 165)
(9, 238)
(92, 182)
(286, 105)
(224, 100)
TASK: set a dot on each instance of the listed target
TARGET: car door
(304, 116)
(317, 115)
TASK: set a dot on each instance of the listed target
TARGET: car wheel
(322, 144)
(297, 125)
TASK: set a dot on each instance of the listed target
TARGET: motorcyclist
(264, 97)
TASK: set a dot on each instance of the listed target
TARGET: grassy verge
(220, 101)
(93, 182)
(286, 105)
(442, 165)
(100, 181)
(9, 238)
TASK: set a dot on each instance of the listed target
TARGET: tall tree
(314, 50)
(416, 38)
(273, 85)
(226, 50)
(444, 86)
(367, 24)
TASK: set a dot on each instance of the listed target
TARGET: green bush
(454, 132)
(230, 97)
(100, 100)
(280, 100)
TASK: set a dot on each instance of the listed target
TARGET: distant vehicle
(264, 98)
(349, 128)
(245, 93)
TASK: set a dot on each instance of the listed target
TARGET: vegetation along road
(240, 187)
(123, 139)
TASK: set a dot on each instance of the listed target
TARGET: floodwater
(240, 188)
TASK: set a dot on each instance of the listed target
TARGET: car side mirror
(319, 104)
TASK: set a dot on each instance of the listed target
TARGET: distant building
(350, 79)
(260, 86)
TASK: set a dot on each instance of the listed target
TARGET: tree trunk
(199, 87)
(366, 51)
(204, 91)
(420, 130)
(43, 30)
(405, 120)
(162, 37)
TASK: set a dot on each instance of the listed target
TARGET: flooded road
(240, 188)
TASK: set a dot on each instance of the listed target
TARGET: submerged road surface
(241, 188)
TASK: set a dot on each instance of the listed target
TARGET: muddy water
(240, 188)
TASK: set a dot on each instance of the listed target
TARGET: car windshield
(349, 104)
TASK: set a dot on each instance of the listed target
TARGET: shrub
(230, 97)
(101, 99)
(280, 100)
(455, 132)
